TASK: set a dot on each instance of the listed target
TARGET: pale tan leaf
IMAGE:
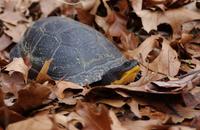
(35, 123)
(12, 17)
(16, 32)
(18, 65)
(61, 86)
(88, 4)
(5, 41)
(47, 6)
(140, 125)
(166, 62)
(134, 106)
(116, 124)
(174, 17)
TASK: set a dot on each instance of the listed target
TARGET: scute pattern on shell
(80, 53)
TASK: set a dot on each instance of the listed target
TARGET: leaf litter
(163, 36)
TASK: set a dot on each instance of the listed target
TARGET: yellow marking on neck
(128, 76)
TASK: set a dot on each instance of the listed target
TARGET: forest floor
(162, 35)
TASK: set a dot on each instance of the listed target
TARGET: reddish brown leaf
(1, 98)
(84, 16)
(33, 96)
(95, 118)
(8, 116)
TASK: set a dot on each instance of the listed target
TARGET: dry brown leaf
(44, 122)
(166, 62)
(174, 17)
(31, 97)
(61, 86)
(12, 17)
(8, 116)
(95, 7)
(182, 128)
(16, 32)
(134, 107)
(66, 91)
(43, 74)
(95, 118)
(192, 98)
(152, 113)
(140, 125)
(113, 102)
(11, 84)
(47, 6)
(182, 113)
(72, 119)
(18, 65)
(1, 98)
(196, 123)
(185, 83)
(88, 4)
(5, 41)
(116, 124)
(101, 22)
(164, 4)
(84, 16)
(117, 25)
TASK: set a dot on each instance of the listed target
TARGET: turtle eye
(127, 64)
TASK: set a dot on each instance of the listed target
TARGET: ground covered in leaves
(164, 37)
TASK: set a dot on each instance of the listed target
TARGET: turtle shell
(79, 53)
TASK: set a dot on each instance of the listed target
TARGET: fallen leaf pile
(162, 35)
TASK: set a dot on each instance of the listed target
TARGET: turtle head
(128, 72)
(123, 74)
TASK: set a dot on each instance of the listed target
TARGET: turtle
(79, 53)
